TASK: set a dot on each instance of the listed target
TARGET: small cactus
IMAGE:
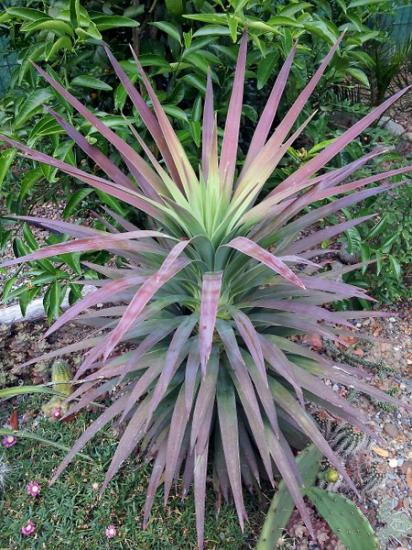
(326, 422)
(61, 378)
(373, 476)
(347, 440)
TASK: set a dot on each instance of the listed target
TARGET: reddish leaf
(209, 304)
(250, 248)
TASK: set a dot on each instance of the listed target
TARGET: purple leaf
(253, 250)
(323, 235)
(208, 127)
(170, 267)
(95, 154)
(251, 338)
(100, 242)
(129, 155)
(211, 286)
(148, 117)
(231, 133)
(228, 421)
(269, 112)
(183, 166)
(126, 195)
(108, 415)
(298, 180)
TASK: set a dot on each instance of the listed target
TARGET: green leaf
(28, 14)
(265, 68)
(105, 22)
(175, 112)
(90, 32)
(169, 29)
(359, 3)
(282, 21)
(233, 24)
(365, 255)
(74, 13)
(73, 261)
(75, 200)
(29, 179)
(344, 518)
(7, 393)
(26, 297)
(51, 301)
(29, 237)
(379, 227)
(395, 266)
(62, 43)
(85, 81)
(359, 75)
(7, 288)
(210, 30)
(198, 61)
(196, 131)
(52, 25)
(111, 202)
(213, 18)
(46, 126)
(175, 7)
(32, 105)
(6, 160)
(322, 29)
(195, 81)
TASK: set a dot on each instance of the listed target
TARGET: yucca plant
(206, 297)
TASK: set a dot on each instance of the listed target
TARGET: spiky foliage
(207, 296)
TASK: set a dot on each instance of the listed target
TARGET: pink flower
(57, 413)
(28, 529)
(33, 489)
(9, 441)
(111, 531)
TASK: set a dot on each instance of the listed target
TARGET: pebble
(393, 462)
(391, 429)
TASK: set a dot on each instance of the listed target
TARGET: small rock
(393, 463)
(394, 128)
(408, 136)
(407, 464)
(392, 319)
(391, 429)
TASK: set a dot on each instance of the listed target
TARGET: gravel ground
(381, 470)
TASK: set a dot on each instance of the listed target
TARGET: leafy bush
(388, 243)
(205, 305)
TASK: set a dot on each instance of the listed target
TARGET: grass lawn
(69, 514)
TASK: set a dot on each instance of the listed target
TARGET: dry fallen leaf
(380, 452)
(409, 478)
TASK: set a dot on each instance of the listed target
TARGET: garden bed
(69, 513)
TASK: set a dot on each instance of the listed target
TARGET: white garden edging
(35, 309)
